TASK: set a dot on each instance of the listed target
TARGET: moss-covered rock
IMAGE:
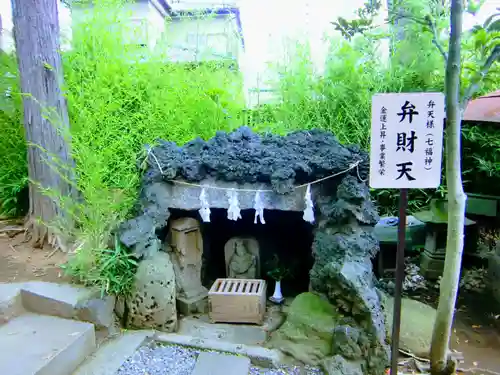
(307, 334)
(338, 365)
(417, 323)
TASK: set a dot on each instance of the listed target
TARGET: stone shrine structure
(242, 258)
(282, 166)
(186, 249)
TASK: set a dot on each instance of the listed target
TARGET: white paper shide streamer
(308, 211)
(259, 208)
(233, 212)
(205, 208)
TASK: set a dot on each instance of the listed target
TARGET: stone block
(69, 301)
(215, 363)
(259, 356)
(113, 353)
(99, 311)
(194, 305)
(431, 265)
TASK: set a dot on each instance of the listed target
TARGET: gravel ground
(179, 360)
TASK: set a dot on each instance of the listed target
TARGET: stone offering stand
(181, 255)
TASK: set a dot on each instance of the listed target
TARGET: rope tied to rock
(351, 167)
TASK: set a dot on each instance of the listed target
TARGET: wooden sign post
(405, 153)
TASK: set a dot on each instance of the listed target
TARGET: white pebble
(178, 360)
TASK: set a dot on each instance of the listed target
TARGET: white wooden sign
(406, 140)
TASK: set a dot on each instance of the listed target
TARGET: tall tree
(441, 363)
(456, 200)
(36, 33)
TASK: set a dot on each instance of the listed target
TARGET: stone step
(209, 363)
(113, 353)
(68, 301)
(44, 345)
(61, 300)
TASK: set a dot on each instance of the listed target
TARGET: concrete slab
(258, 355)
(236, 334)
(44, 345)
(215, 363)
(113, 353)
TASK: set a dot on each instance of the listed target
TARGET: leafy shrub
(112, 269)
(481, 158)
(117, 104)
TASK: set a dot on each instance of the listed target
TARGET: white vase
(277, 297)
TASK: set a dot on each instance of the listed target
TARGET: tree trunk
(36, 33)
(440, 362)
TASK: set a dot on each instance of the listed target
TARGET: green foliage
(117, 104)
(278, 270)
(481, 45)
(362, 24)
(13, 169)
(481, 158)
(340, 100)
(112, 270)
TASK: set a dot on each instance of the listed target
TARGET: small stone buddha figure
(242, 264)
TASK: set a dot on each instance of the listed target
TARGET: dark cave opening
(285, 235)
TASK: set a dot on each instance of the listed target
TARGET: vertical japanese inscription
(405, 140)
(429, 150)
(383, 129)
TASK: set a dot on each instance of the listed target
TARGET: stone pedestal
(432, 264)
(433, 256)
(193, 305)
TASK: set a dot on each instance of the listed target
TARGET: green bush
(117, 104)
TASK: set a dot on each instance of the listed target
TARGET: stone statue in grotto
(186, 247)
(242, 263)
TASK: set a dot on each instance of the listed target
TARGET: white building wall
(7, 43)
(203, 38)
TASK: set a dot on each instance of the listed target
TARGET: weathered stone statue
(186, 249)
(242, 260)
